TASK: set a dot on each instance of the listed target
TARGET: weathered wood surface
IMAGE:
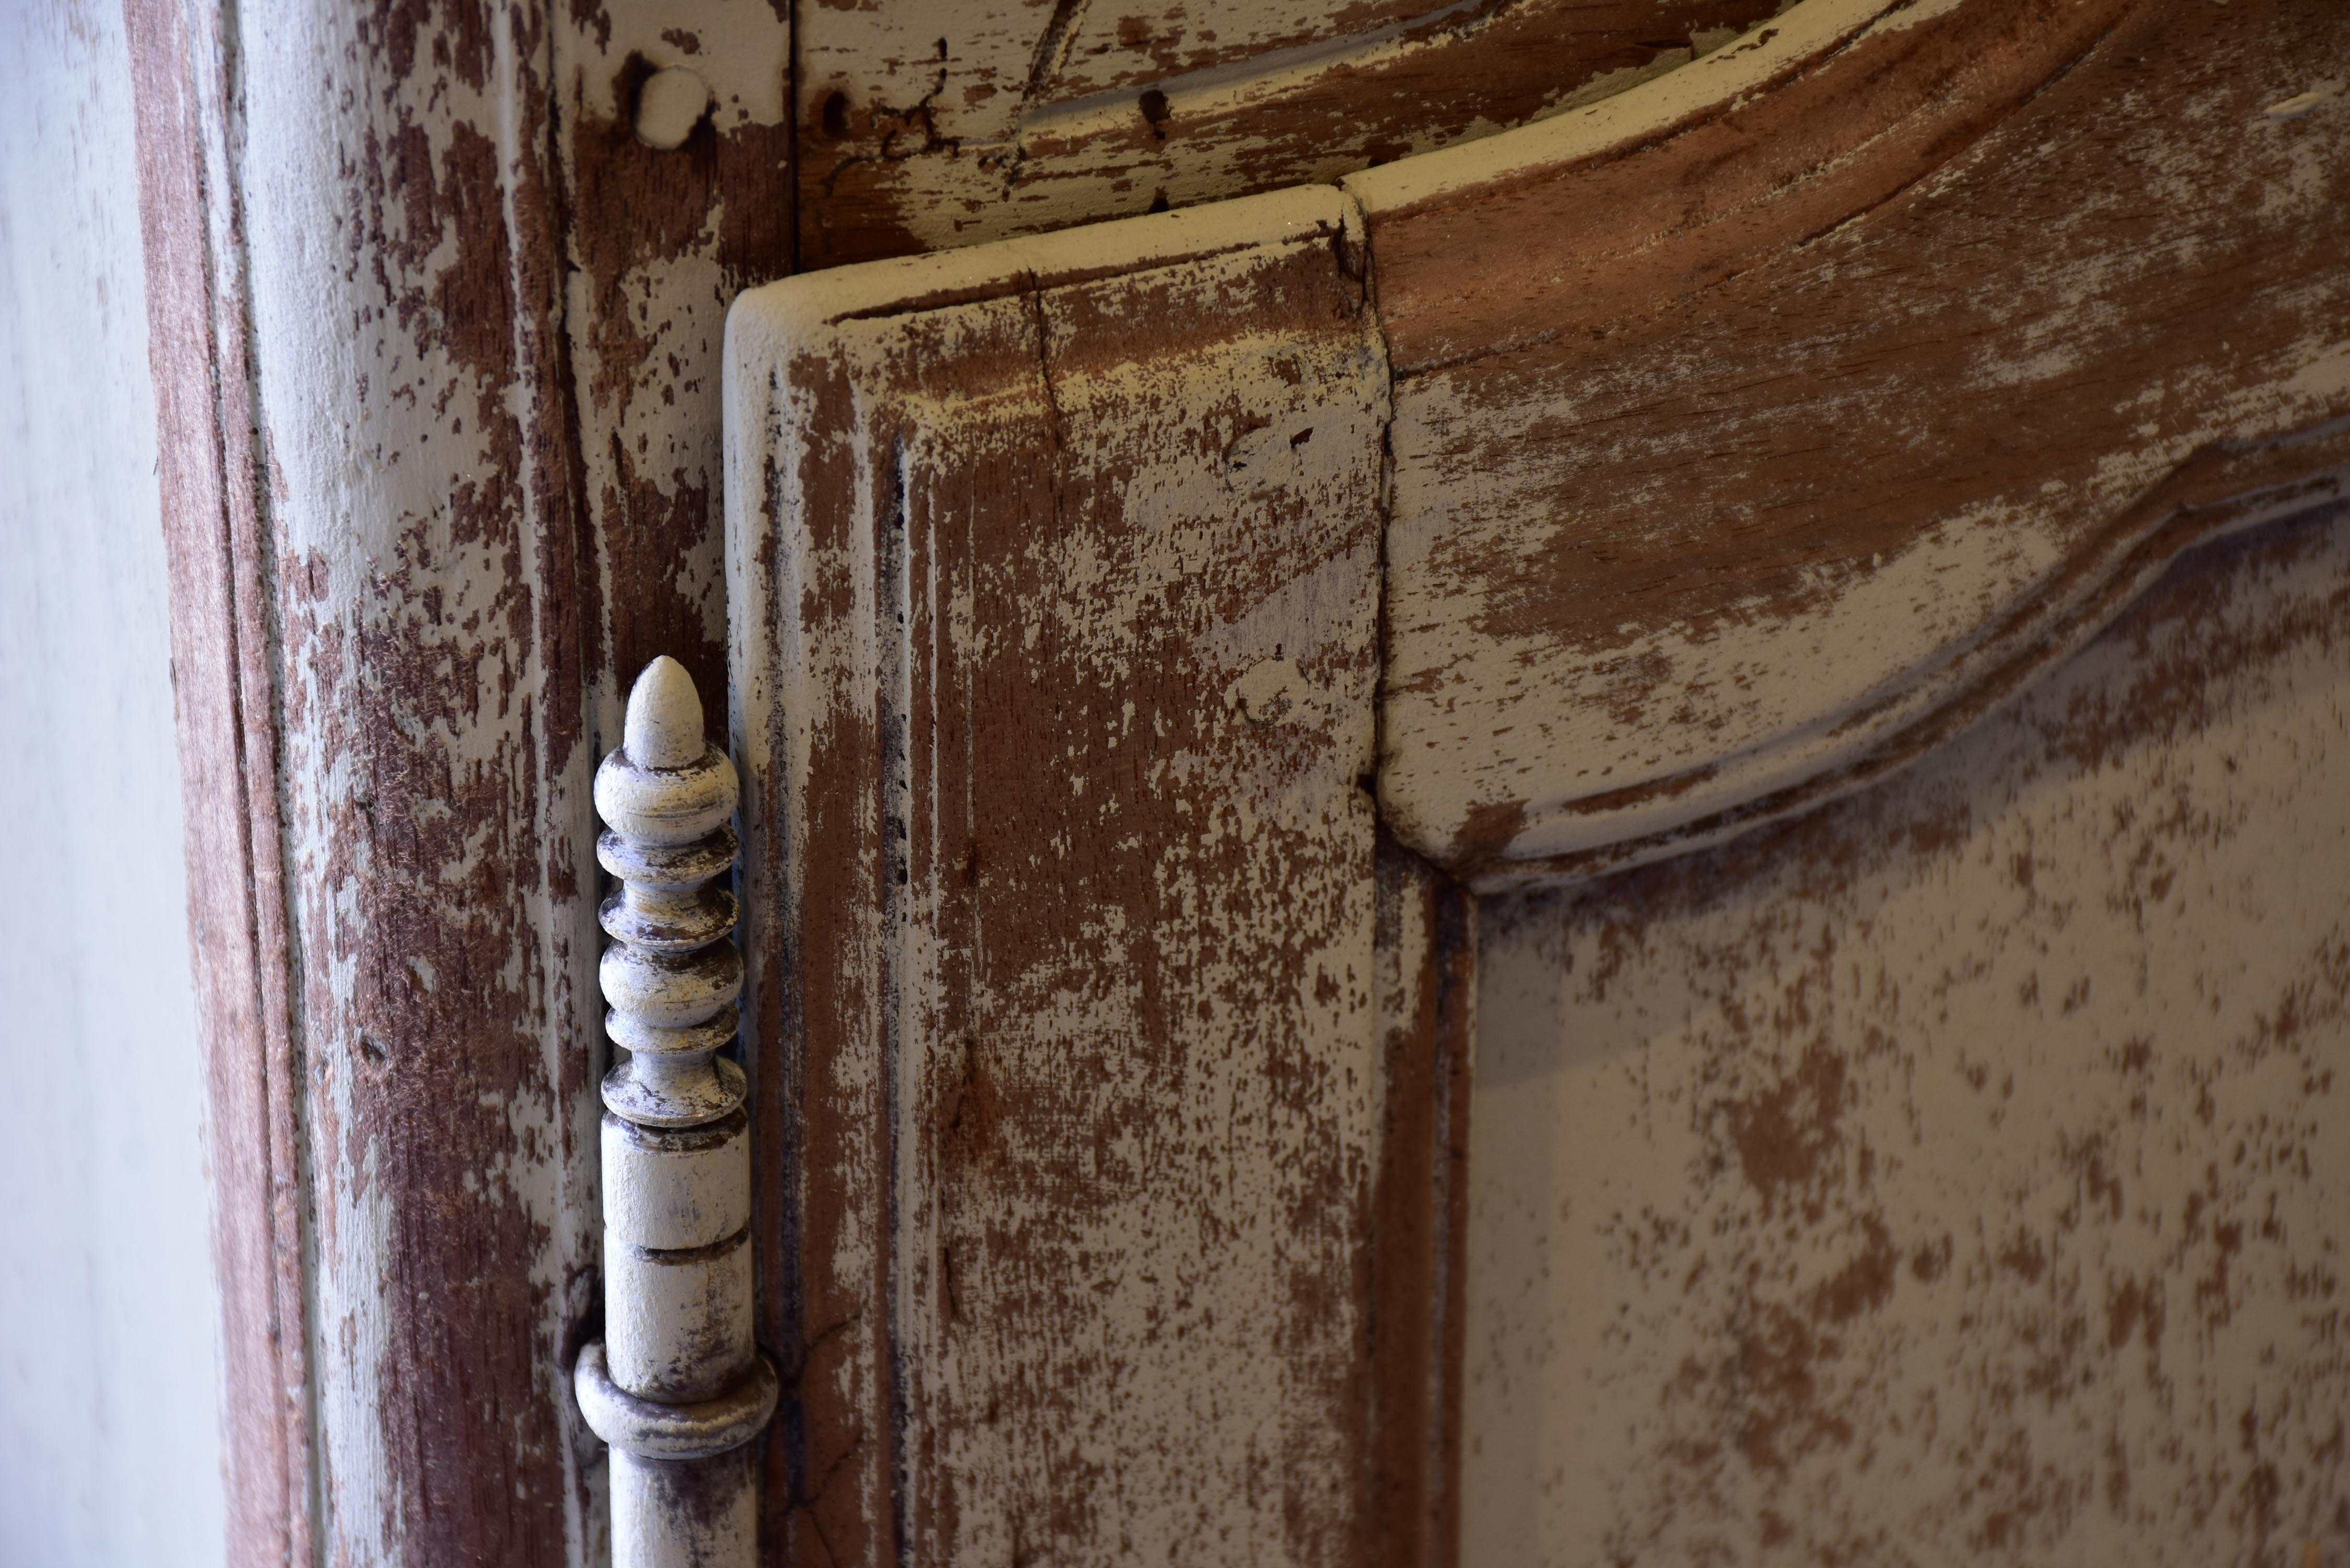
(1056, 573)
(945, 123)
(658, 242)
(377, 562)
(1427, 968)
(402, 239)
(1961, 1173)
(1754, 429)
(225, 691)
(415, 527)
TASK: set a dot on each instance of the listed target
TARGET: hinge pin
(676, 1386)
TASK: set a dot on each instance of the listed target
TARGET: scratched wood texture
(1756, 426)
(354, 278)
(395, 175)
(224, 687)
(1962, 1173)
(944, 123)
(435, 347)
(1056, 574)
(657, 243)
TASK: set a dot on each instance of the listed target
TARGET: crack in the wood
(807, 1503)
(810, 1347)
(1356, 262)
(1052, 393)
(894, 550)
(922, 113)
(228, 250)
(1045, 371)
(1053, 47)
(824, 1482)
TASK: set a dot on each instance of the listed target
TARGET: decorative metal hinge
(677, 1386)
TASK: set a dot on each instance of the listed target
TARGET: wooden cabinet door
(1533, 783)
(1056, 613)
(1148, 638)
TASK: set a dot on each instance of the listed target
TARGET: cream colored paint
(1804, 34)
(1769, 698)
(1223, 88)
(2081, 979)
(1179, 1449)
(1036, 122)
(365, 422)
(1766, 701)
(679, 1318)
(1172, 1507)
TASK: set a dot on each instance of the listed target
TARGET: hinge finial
(677, 1388)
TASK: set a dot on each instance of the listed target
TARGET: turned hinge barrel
(677, 1386)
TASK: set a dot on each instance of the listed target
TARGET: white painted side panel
(109, 1319)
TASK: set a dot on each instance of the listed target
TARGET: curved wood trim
(1680, 376)
(1688, 180)
(2216, 494)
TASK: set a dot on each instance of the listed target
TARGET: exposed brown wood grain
(926, 126)
(1106, 47)
(1419, 1216)
(436, 342)
(430, 658)
(1960, 1173)
(1947, 326)
(381, 510)
(224, 693)
(368, 456)
(1056, 571)
(660, 242)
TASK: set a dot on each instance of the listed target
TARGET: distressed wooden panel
(375, 559)
(1755, 428)
(415, 527)
(1961, 1173)
(899, 106)
(1426, 970)
(1055, 573)
(658, 242)
(224, 689)
(1109, 47)
(927, 125)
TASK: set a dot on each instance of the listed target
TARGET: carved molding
(1760, 427)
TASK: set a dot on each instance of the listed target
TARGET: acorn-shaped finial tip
(664, 725)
